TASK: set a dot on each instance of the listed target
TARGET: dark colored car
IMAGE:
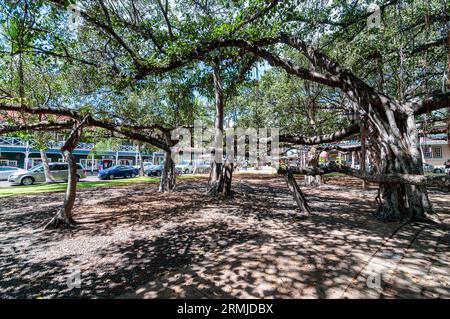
(154, 170)
(118, 171)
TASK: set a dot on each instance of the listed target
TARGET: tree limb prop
(419, 180)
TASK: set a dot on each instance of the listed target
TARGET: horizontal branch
(320, 139)
(435, 102)
(129, 131)
(42, 126)
(419, 180)
(343, 149)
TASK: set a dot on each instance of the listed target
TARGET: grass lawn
(436, 174)
(58, 187)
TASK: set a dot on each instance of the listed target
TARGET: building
(436, 149)
(20, 153)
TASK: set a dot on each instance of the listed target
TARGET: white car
(147, 165)
(188, 167)
(439, 169)
(60, 172)
(433, 169)
(5, 171)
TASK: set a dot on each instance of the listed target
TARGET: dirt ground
(133, 242)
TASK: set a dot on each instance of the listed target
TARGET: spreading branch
(435, 102)
(320, 139)
(42, 126)
(129, 131)
(418, 180)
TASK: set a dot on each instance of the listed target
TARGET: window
(437, 152)
(63, 167)
(59, 167)
(427, 152)
(8, 163)
(38, 169)
(8, 169)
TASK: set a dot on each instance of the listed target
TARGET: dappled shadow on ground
(134, 242)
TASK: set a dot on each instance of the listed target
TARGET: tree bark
(228, 176)
(220, 174)
(48, 175)
(64, 217)
(216, 180)
(168, 176)
(399, 201)
(297, 193)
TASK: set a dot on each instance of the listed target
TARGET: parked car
(60, 171)
(118, 171)
(428, 168)
(146, 166)
(154, 170)
(325, 165)
(368, 167)
(187, 167)
(5, 171)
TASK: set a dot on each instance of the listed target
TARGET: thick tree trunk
(168, 176)
(216, 179)
(64, 217)
(399, 201)
(221, 174)
(228, 177)
(400, 153)
(220, 179)
(48, 175)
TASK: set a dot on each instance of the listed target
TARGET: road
(88, 178)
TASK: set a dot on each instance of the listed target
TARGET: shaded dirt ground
(133, 242)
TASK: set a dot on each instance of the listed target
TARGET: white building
(436, 149)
